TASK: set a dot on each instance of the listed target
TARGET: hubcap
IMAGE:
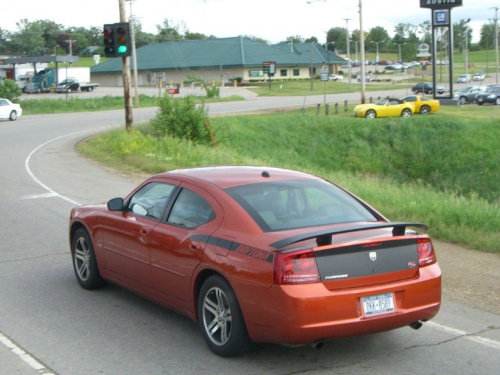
(82, 259)
(217, 317)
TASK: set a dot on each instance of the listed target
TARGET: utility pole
(348, 51)
(362, 48)
(129, 120)
(496, 43)
(134, 54)
(70, 42)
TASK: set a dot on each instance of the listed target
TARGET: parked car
(368, 78)
(490, 95)
(426, 88)
(478, 77)
(422, 104)
(335, 77)
(464, 78)
(387, 107)
(468, 94)
(394, 67)
(257, 254)
(9, 110)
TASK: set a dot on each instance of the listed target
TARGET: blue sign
(441, 17)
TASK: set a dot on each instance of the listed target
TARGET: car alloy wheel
(425, 109)
(371, 114)
(220, 318)
(497, 101)
(85, 262)
(462, 100)
(406, 112)
(13, 116)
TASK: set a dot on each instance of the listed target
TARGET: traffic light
(117, 40)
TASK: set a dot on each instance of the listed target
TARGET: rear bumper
(302, 314)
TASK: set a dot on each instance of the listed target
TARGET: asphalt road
(49, 325)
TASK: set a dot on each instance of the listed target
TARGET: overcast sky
(271, 20)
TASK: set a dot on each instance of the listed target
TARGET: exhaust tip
(318, 344)
(416, 325)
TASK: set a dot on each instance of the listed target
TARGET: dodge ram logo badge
(373, 256)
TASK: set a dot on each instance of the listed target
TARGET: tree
(336, 39)
(29, 39)
(10, 90)
(425, 30)
(167, 32)
(460, 29)
(194, 36)
(312, 39)
(377, 34)
(294, 39)
(487, 36)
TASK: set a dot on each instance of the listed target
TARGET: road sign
(440, 4)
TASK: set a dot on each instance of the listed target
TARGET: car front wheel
(497, 102)
(13, 116)
(406, 113)
(462, 100)
(425, 109)
(220, 318)
(85, 262)
(371, 114)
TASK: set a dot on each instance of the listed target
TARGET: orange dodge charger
(257, 254)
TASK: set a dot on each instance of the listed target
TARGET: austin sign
(440, 4)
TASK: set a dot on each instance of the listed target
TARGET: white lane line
(459, 333)
(28, 359)
(51, 192)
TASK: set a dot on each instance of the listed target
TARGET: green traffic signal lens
(122, 49)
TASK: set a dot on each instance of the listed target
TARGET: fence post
(345, 105)
(327, 109)
(318, 108)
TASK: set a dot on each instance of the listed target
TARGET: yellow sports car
(387, 107)
(422, 104)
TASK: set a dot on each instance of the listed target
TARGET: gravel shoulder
(470, 277)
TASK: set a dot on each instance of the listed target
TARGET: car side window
(3, 102)
(190, 210)
(150, 200)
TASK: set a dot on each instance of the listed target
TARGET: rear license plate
(382, 303)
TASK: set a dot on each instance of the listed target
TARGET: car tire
(425, 110)
(406, 113)
(462, 100)
(13, 116)
(85, 261)
(220, 318)
(497, 101)
(371, 114)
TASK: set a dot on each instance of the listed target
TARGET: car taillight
(426, 254)
(296, 268)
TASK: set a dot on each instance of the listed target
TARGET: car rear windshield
(294, 204)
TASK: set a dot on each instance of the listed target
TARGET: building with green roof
(215, 60)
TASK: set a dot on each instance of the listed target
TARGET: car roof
(229, 176)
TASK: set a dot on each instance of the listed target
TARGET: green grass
(442, 169)
(63, 105)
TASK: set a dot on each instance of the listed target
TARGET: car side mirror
(115, 204)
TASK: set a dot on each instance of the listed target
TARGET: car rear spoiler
(324, 237)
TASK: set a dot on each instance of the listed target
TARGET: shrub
(181, 118)
(10, 90)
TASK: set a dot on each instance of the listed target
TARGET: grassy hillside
(442, 169)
